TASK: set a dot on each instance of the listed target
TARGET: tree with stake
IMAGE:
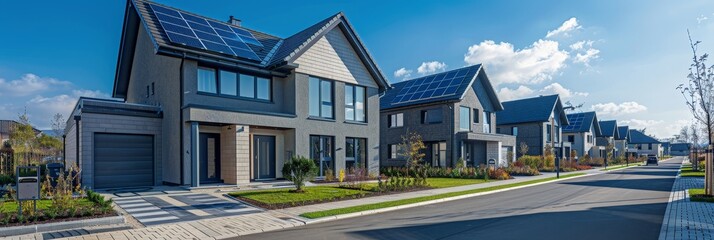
(698, 93)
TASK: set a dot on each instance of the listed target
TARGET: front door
(263, 157)
(210, 169)
(321, 151)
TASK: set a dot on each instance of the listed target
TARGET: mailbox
(28, 183)
(492, 163)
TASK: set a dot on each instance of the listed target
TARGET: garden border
(59, 226)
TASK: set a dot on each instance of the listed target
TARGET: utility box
(28, 183)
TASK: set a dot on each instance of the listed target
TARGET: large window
(475, 116)
(431, 116)
(231, 84)
(321, 151)
(320, 98)
(206, 80)
(354, 103)
(356, 153)
(571, 138)
(486, 122)
(396, 151)
(464, 118)
(396, 120)
(548, 133)
(438, 154)
(514, 131)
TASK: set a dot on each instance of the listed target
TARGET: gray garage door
(123, 160)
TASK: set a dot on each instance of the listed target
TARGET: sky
(623, 59)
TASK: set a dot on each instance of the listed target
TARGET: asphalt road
(627, 204)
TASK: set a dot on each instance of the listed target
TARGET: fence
(6, 161)
(9, 159)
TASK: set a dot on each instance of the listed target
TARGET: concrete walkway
(685, 219)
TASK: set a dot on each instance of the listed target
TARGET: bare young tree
(698, 93)
(694, 138)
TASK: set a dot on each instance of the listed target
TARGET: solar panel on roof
(197, 32)
(433, 86)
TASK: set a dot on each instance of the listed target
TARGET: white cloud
(658, 128)
(614, 109)
(564, 93)
(567, 26)
(431, 67)
(28, 84)
(581, 44)
(589, 55)
(530, 65)
(506, 94)
(403, 73)
(702, 18)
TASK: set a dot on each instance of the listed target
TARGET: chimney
(234, 21)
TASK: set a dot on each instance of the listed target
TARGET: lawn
(609, 168)
(697, 195)
(11, 206)
(688, 172)
(373, 206)
(452, 182)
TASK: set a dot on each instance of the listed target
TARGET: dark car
(652, 160)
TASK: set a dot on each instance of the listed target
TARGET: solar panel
(434, 86)
(201, 33)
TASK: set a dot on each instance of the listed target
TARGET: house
(455, 114)
(6, 127)
(621, 142)
(666, 146)
(644, 145)
(535, 122)
(680, 149)
(581, 132)
(608, 135)
(205, 101)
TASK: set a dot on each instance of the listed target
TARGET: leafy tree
(412, 146)
(299, 170)
(523, 148)
(23, 140)
(610, 149)
(698, 93)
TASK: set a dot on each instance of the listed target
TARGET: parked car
(652, 160)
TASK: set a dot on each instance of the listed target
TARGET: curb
(623, 168)
(58, 226)
(381, 210)
(665, 220)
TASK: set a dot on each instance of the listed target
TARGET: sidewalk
(685, 219)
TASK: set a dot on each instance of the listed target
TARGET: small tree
(573, 154)
(549, 156)
(299, 170)
(23, 140)
(412, 145)
(694, 137)
(698, 94)
(610, 149)
(523, 148)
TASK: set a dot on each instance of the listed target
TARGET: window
(354, 103)
(498, 130)
(153, 89)
(356, 153)
(649, 146)
(320, 98)
(396, 120)
(464, 118)
(476, 115)
(557, 133)
(431, 116)
(321, 151)
(438, 154)
(247, 86)
(571, 139)
(486, 122)
(263, 89)
(590, 139)
(206, 80)
(548, 132)
(514, 131)
(395, 151)
(228, 83)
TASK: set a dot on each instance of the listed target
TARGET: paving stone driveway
(162, 209)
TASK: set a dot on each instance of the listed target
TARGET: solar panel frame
(433, 86)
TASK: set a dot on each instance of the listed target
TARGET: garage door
(123, 160)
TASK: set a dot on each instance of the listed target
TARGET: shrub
(532, 161)
(99, 200)
(329, 175)
(298, 170)
(549, 161)
(518, 169)
(6, 179)
(341, 175)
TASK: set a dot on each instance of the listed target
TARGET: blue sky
(623, 59)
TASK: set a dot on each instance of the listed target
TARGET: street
(626, 204)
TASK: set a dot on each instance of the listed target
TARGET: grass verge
(610, 168)
(11, 206)
(339, 211)
(688, 172)
(697, 195)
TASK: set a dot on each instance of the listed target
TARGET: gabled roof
(609, 129)
(441, 87)
(680, 147)
(582, 122)
(623, 132)
(277, 54)
(536, 109)
(637, 137)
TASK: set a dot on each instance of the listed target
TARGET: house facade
(536, 122)
(642, 144)
(622, 141)
(680, 149)
(581, 132)
(455, 114)
(608, 135)
(229, 104)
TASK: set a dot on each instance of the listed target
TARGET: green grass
(609, 168)
(284, 196)
(11, 206)
(339, 211)
(697, 195)
(688, 172)
(452, 182)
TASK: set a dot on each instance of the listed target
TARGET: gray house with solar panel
(455, 114)
(581, 132)
(536, 122)
(214, 102)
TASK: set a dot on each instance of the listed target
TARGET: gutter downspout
(64, 149)
(181, 103)
(77, 119)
